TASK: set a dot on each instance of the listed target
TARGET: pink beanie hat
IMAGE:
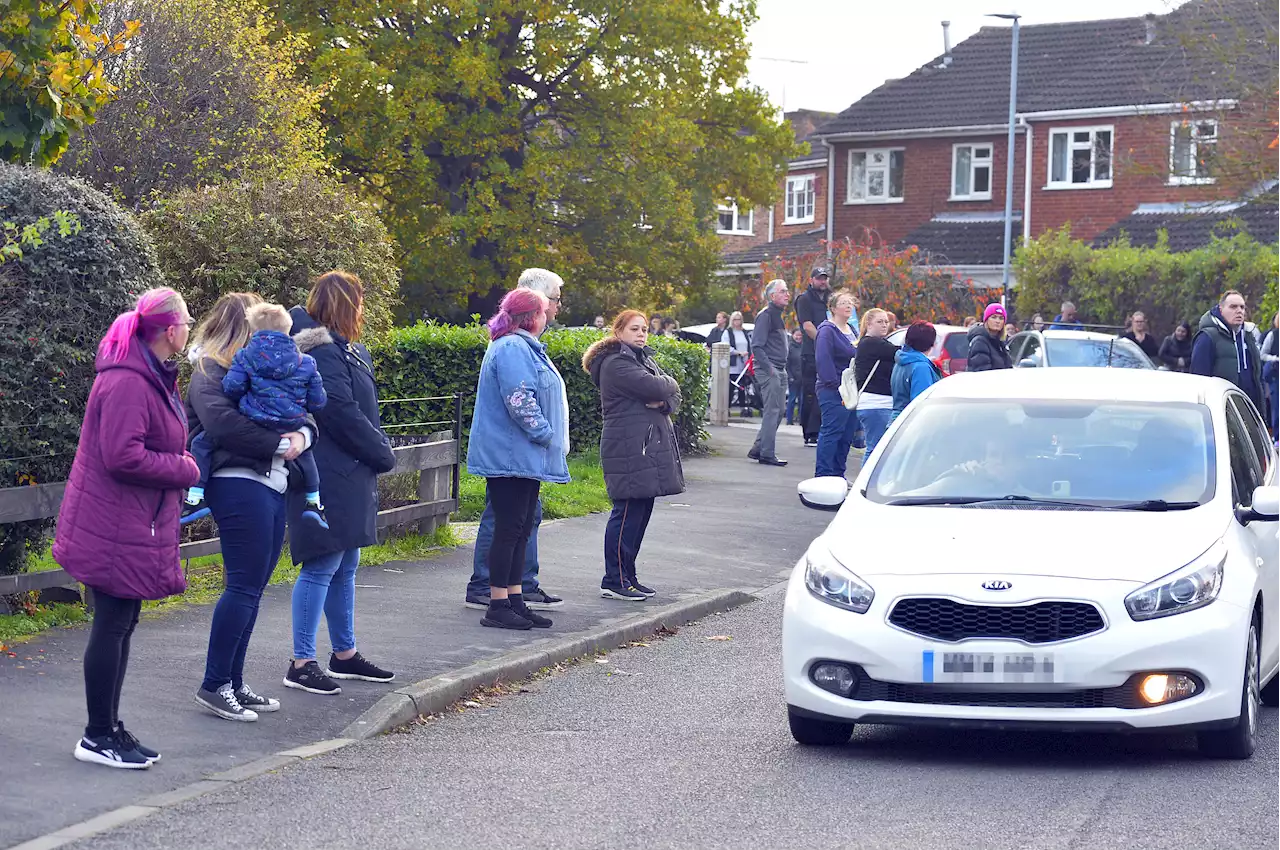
(993, 310)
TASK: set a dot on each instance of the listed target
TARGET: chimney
(1150, 20)
(946, 44)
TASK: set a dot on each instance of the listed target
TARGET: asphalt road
(683, 744)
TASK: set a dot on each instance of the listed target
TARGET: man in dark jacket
(769, 344)
(811, 312)
(987, 348)
(1223, 349)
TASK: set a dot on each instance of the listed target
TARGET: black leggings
(105, 659)
(514, 501)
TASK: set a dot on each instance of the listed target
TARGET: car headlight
(828, 580)
(1194, 586)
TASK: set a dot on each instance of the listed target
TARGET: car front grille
(1125, 696)
(1041, 622)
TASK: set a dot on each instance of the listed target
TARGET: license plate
(989, 667)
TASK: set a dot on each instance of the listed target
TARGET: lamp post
(1008, 176)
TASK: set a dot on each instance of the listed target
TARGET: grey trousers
(773, 395)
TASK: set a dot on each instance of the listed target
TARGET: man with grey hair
(1067, 320)
(549, 284)
(769, 343)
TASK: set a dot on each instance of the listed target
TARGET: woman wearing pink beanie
(987, 348)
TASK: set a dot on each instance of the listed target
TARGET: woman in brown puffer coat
(637, 445)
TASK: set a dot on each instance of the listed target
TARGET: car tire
(812, 732)
(1271, 692)
(1240, 740)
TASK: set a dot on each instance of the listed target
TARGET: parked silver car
(1076, 348)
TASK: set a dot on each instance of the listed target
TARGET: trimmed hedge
(428, 359)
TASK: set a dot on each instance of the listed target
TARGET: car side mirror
(1027, 363)
(1264, 508)
(826, 493)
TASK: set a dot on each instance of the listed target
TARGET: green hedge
(428, 359)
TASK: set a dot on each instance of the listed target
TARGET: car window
(1015, 347)
(1118, 353)
(1246, 470)
(1256, 435)
(957, 345)
(1031, 349)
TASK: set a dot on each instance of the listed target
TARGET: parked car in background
(950, 352)
(1076, 348)
(699, 333)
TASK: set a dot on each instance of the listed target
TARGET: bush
(55, 304)
(428, 359)
(273, 237)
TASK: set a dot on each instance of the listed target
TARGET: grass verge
(585, 494)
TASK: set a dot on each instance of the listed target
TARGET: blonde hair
(873, 313)
(269, 317)
(226, 329)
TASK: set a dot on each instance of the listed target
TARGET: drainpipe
(771, 223)
(831, 194)
(1029, 138)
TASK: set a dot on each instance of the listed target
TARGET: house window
(799, 203)
(734, 222)
(971, 173)
(1080, 157)
(1191, 148)
(875, 176)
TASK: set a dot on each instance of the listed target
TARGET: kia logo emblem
(997, 584)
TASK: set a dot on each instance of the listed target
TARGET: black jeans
(514, 502)
(105, 659)
(622, 538)
(810, 411)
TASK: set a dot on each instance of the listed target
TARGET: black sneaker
(504, 617)
(247, 698)
(223, 703)
(109, 751)
(356, 667)
(477, 601)
(542, 600)
(315, 513)
(539, 621)
(128, 742)
(193, 511)
(647, 591)
(627, 594)
(310, 678)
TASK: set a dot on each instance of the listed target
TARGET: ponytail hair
(155, 312)
(517, 311)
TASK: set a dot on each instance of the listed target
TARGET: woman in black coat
(1175, 351)
(637, 445)
(987, 348)
(350, 452)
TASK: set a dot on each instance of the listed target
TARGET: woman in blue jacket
(834, 348)
(519, 438)
(913, 371)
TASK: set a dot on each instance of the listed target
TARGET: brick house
(1121, 126)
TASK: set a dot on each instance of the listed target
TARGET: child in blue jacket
(276, 386)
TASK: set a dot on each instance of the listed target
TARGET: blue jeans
(874, 423)
(835, 437)
(326, 585)
(250, 518)
(793, 400)
(623, 535)
(479, 583)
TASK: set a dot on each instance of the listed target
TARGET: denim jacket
(520, 427)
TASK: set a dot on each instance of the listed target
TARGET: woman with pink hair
(117, 529)
(519, 438)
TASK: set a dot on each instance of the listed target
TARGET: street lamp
(1008, 176)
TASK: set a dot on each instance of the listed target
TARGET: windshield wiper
(1155, 505)
(985, 500)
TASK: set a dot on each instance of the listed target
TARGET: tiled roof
(1188, 230)
(817, 150)
(1077, 65)
(963, 241)
(792, 246)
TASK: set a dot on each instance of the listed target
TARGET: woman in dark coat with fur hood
(637, 445)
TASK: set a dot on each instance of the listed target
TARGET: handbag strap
(874, 367)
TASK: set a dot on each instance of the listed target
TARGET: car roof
(941, 329)
(705, 330)
(1095, 336)
(1076, 382)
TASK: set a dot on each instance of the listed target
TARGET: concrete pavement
(738, 526)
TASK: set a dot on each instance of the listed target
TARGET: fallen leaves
(719, 637)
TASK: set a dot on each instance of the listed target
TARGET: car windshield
(1139, 455)
(1119, 353)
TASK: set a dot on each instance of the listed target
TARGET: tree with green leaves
(591, 136)
(51, 77)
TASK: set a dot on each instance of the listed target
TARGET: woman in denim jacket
(519, 438)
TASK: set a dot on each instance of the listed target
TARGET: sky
(853, 46)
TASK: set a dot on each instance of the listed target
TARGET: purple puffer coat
(118, 526)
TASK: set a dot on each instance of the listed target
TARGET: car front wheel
(1240, 740)
(813, 732)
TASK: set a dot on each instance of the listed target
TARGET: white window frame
(1176, 179)
(974, 164)
(878, 199)
(737, 220)
(1073, 145)
(806, 196)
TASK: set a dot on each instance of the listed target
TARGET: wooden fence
(437, 462)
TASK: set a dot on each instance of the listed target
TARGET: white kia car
(1084, 549)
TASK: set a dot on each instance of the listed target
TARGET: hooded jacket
(274, 383)
(1219, 353)
(1172, 350)
(118, 524)
(913, 373)
(987, 352)
(638, 443)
